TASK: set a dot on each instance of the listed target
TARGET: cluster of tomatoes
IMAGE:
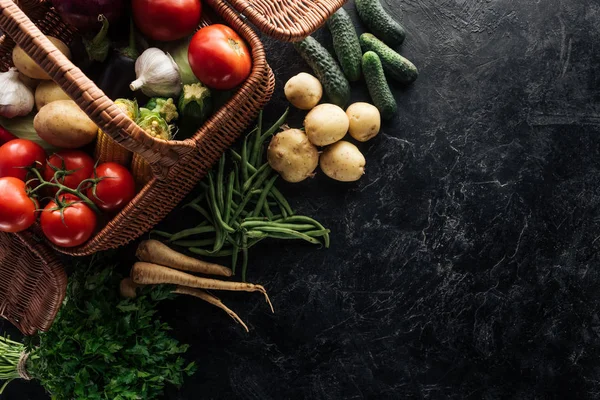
(78, 192)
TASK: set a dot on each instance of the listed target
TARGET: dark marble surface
(465, 264)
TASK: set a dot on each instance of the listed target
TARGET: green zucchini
(372, 13)
(326, 69)
(346, 44)
(396, 66)
(378, 87)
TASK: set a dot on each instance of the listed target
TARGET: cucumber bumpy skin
(346, 44)
(378, 87)
(372, 13)
(396, 66)
(326, 69)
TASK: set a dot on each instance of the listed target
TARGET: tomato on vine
(115, 188)
(17, 211)
(68, 167)
(19, 154)
(68, 223)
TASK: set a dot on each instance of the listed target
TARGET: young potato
(304, 91)
(343, 162)
(28, 67)
(47, 92)
(292, 155)
(326, 124)
(365, 121)
(63, 124)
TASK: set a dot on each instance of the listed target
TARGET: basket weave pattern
(287, 20)
(32, 283)
(177, 165)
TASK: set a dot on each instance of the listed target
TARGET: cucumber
(372, 13)
(346, 44)
(395, 66)
(326, 69)
(378, 87)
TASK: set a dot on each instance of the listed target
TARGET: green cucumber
(326, 69)
(396, 66)
(378, 87)
(346, 44)
(372, 13)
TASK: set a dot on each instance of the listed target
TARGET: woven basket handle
(160, 154)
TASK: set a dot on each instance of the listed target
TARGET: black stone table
(465, 264)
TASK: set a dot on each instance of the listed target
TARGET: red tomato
(17, 210)
(114, 191)
(75, 165)
(20, 153)
(72, 226)
(219, 57)
(166, 20)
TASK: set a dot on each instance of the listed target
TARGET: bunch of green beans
(244, 207)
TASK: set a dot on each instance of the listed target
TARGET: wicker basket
(287, 20)
(32, 283)
(177, 165)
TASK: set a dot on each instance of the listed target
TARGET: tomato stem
(63, 189)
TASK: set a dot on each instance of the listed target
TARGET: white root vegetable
(365, 121)
(47, 92)
(326, 124)
(155, 252)
(27, 66)
(304, 91)
(343, 162)
(292, 155)
(63, 124)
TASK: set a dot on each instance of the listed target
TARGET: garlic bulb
(16, 98)
(157, 74)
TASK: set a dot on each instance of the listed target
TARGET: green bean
(282, 201)
(197, 200)
(263, 196)
(220, 190)
(208, 253)
(229, 198)
(248, 184)
(191, 232)
(202, 211)
(234, 257)
(162, 234)
(215, 208)
(302, 218)
(295, 227)
(245, 256)
(257, 234)
(317, 233)
(245, 160)
(276, 126)
(194, 243)
(256, 140)
(267, 210)
(288, 232)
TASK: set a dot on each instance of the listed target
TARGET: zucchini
(328, 71)
(372, 13)
(378, 87)
(346, 44)
(396, 66)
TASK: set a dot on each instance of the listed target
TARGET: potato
(292, 155)
(47, 92)
(365, 121)
(30, 82)
(326, 124)
(343, 162)
(63, 124)
(27, 66)
(304, 91)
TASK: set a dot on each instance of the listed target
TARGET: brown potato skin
(63, 124)
(27, 66)
(292, 155)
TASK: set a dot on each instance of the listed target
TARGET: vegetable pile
(295, 153)
(100, 345)
(242, 207)
(56, 165)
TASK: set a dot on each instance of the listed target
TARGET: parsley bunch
(104, 347)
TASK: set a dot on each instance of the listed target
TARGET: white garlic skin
(16, 98)
(157, 74)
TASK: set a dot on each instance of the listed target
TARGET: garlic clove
(16, 98)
